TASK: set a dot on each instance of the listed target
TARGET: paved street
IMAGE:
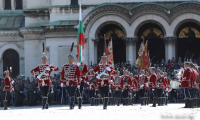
(58, 112)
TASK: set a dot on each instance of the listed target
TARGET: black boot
(159, 102)
(190, 103)
(92, 101)
(127, 101)
(98, 101)
(166, 100)
(5, 104)
(148, 100)
(162, 101)
(118, 101)
(44, 102)
(47, 104)
(141, 101)
(154, 102)
(133, 100)
(79, 102)
(72, 103)
(105, 103)
(124, 101)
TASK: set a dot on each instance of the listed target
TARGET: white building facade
(168, 25)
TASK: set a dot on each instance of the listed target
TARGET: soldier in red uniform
(133, 88)
(70, 76)
(117, 86)
(153, 85)
(83, 73)
(142, 86)
(186, 83)
(103, 82)
(43, 78)
(91, 87)
(192, 85)
(166, 87)
(8, 87)
(127, 84)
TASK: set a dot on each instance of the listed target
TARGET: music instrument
(174, 84)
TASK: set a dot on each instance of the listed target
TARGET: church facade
(171, 27)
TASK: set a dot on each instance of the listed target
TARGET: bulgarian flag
(80, 37)
(110, 53)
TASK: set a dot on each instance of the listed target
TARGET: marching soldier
(8, 87)
(127, 84)
(91, 88)
(161, 86)
(133, 88)
(103, 79)
(117, 86)
(43, 78)
(83, 73)
(142, 80)
(167, 89)
(153, 85)
(186, 83)
(70, 76)
(192, 89)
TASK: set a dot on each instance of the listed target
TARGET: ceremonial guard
(70, 76)
(117, 86)
(161, 87)
(167, 89)
(127, 84)
(186, 83)
(133, 88)
(153, 85)
(192, 85)
(142, 80)
(83, 73)
(8, 87)
(91, 87)
(103, 82)
(43, 78)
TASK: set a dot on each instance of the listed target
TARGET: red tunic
(142, 81)
(152, 81)
(45, 78)
(104, 80)
(187, 74)
(83, 71)
(127, 82)
(134, 85)
(8, 85)
(70, 75)
(118, 83)
(92, 85)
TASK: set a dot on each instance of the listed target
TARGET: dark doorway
(7, 5)
(19, 4)
(188, 41)
(11, 59)
(154, 34)
(119, 47)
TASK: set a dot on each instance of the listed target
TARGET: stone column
(170, 47)
(32, 49)
(131, 49)
(2, 4)
(13, 5)
(95, 42)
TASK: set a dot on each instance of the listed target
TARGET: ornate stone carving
(130, 39)
(96, 39)
(170, 39)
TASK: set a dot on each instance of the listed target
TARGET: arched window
(74, 2)
(19, 4)
(7, 4)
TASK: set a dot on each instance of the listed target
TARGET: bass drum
(175, 84)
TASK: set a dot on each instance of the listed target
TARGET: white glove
(141, 86)
(153, 89)
(61, 85)
(78, 63)
(167, 89)
(109, 85)
(88, 83)
(38, 77)
(108, 69)
(131, 87)
(81, 79)
(12, 82)
(78, 86)
(47, 68)
(110, 91)
(98, 77)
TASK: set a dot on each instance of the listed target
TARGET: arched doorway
(119, 47)
(11, 59)
(154, 34)
(188, 35)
